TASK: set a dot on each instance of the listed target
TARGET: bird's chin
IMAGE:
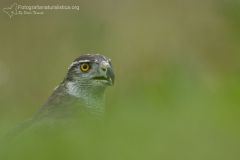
(103, 81)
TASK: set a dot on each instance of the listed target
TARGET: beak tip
(111, 76)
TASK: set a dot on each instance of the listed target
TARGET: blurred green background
(177, 66)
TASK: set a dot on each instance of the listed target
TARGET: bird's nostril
(104, 69)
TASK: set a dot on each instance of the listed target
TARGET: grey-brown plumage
(81, 91)
(82, 88)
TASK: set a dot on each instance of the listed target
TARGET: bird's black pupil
(85, 66)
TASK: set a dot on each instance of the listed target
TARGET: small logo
(16, 9)
(12, 10)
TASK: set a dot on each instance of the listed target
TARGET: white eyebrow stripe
(72, 64)
(80, 61)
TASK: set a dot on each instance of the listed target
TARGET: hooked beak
(110, 76)
(107, 73)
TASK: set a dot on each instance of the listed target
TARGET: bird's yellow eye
(84, 67)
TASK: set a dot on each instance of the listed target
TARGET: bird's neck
(93, 97)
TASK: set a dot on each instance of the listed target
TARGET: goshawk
(81, 93)
(82, 89)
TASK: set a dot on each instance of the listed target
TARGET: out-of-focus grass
(177, 79)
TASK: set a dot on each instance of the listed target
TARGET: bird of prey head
(92, 70)
(83, 87)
